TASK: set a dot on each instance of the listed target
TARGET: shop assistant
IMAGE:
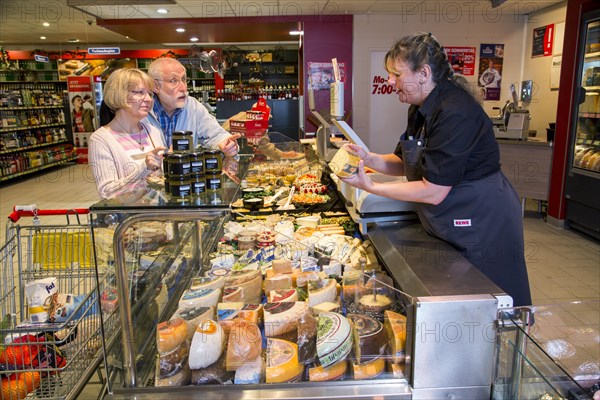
(452, 163)
(175, 110)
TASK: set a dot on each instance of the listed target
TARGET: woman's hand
(229, 146)
(360, 180)
(154, 158)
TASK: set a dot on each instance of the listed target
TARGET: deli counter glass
(221, 297)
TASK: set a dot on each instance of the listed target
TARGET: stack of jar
(189, 172)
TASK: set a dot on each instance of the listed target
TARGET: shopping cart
(45, 360)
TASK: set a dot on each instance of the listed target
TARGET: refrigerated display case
(583, 176)
(453, 333)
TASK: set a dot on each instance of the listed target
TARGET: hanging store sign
(543, 38)
(104, 50)
(40, 58)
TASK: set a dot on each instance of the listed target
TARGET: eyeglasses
(140, 94)
(176, 81)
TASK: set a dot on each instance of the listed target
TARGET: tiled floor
(563, 265)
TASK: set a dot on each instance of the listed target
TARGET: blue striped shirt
(167, 123)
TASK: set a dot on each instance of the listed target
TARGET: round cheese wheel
(192, 316)
(170, 335)
(207, 344)
(374, 303)
(334, 338)
(170, 363)
(282, 362)
(370, 339)
(200, 298)
(332, 373)
(179, 378)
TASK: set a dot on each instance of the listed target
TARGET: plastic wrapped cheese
(192, 316)
(282, 317)
(244, 344)
(214, 373)
(207, 344)
(200, 298)
(249, 281)
(307, 338)
(233, 294)
(228, 313)
(170, 363)
(282, 362)
(251, 373)
(395, 325)
(334, 338)
(179, 377)
(170, 335)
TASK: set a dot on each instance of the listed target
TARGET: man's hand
(229, 146)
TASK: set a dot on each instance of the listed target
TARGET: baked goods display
(288, 308)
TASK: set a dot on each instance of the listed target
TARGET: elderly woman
(127, 149)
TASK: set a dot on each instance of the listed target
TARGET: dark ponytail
(422, 48)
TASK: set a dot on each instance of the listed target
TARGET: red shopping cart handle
(18, 212)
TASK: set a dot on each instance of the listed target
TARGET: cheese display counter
(217, 297)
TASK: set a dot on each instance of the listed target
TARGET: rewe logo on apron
(462, 222)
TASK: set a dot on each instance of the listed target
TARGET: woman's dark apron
(481, 218)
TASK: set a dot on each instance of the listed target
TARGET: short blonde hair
(120, 82)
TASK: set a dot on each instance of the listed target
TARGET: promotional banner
(83, 112)
(388, 117)
(320, 75)
(462, 59)
(491, 59)
(543, 38)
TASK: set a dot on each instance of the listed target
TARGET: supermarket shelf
(40, 168)
(37, 146)
(31, 108)
(24, 128)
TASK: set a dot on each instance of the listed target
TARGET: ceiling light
(180, 30)
(46, 23)
(162, 11)
(43, 37)
(193, 39)
(296, 33)
(73, 40)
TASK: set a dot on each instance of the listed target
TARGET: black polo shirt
(460, 142)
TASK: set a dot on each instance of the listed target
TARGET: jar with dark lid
(165, 166)
(183, 141)
(213, 161)
(198, 183)
(196, 163)
(180, 187)
(214, 181)
(178, 164)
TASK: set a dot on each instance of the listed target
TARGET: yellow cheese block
(332, 373)
(282, 362)
(370, 370)
(395, 325)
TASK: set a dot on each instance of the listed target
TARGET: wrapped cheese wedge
(370, 339)
(282, 317)
(233, 294)
(208, 282)
(200, 298)
(207, 345)
(395, 325)
(180, 376)
(282, 362)
(249, 281)
(283, 295)
(244, 344)
(307, 338)
(228, 313)
(170, 335)
(334, 338)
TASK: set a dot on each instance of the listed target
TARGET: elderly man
(174, 110)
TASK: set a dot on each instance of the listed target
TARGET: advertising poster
(462, 59)
(491, 59)
(83, 111)
(101, 68)
(320, 75)
(543, 38)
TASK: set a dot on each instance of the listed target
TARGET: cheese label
(208, 327)
(278, 308)
(191, 313)
(334, 338)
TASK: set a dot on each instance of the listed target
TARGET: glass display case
(583, 178)
(548, 352)
(206, 284)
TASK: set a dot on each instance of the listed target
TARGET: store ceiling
(137, 23)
